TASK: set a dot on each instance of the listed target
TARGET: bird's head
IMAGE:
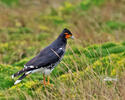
(67, 34)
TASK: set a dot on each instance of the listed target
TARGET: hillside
(96, 54)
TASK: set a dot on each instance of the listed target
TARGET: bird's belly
(43, 70)
(47, 71)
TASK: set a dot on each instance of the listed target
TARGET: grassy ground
(96, 53)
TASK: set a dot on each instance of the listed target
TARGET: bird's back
(49, 55)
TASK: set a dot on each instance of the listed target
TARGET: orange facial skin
(67, 35)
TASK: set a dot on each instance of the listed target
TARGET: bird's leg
(48, 80)
(44, 80)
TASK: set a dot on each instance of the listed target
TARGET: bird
(47, 59)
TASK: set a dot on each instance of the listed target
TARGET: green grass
(109, 64)
(97, 52)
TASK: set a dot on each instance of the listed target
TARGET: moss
(97, 51)
(111, 65)
(108, 45)
(71, 76)
(117, 49)
(5, 75)
(7, 82)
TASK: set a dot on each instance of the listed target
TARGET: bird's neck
(60, 41)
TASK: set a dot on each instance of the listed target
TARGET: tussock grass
(71, 79)
(27, 27)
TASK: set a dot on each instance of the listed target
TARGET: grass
(10, 3)
(75, 68)
(97, 52)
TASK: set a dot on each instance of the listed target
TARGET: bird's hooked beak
(72, 37)
(67, 35)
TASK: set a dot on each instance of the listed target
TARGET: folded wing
(46, 58)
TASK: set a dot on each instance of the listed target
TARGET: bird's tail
(24, 71)
(23, 76)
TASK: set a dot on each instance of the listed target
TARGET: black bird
(47, 59)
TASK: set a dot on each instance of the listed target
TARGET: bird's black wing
(46, 58)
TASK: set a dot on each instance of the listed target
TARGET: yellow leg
(48, 80)
(44, 80)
